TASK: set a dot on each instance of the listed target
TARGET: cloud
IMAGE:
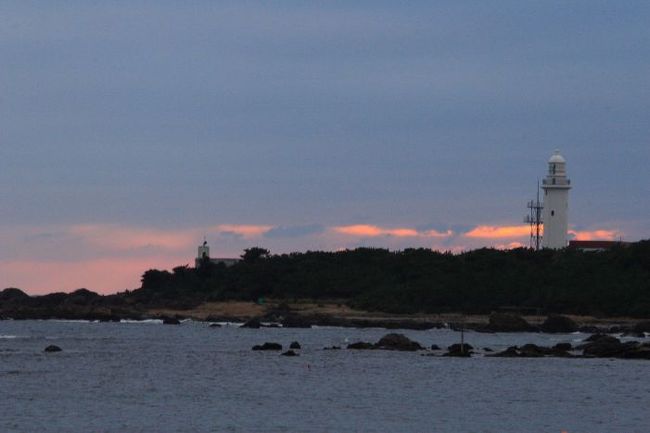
(111, 257)
(600, 234)
(498, 232)
(371, 231)
(506, 232)
(242, 230)
(294, 231)
(365, 230)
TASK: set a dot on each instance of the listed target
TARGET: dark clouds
(302, 114)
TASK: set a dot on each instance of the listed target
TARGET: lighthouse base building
(204, 254)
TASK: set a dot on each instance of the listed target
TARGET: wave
(154, 321)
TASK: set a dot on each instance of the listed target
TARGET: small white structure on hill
(204, 254)
(555, 216)
(204, 251)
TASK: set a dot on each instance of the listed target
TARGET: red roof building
(595, 245)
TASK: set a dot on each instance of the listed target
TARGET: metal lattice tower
(534, 219)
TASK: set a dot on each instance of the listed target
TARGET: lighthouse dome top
(556, 158)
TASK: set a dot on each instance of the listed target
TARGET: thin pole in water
(462, 340)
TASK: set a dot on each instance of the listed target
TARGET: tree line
(604, 283)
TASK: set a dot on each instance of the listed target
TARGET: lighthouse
(555, 215)
(204, 251)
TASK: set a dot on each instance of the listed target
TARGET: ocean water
(148, 377)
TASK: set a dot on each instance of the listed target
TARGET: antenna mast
(534, 219)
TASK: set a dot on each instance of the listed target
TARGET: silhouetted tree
(612, 282)
(255, 254)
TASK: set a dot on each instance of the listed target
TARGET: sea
(150, 377)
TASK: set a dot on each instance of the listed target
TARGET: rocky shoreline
(497, 322)
(595, 346)
(86, 305)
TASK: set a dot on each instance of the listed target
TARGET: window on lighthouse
(552, 213)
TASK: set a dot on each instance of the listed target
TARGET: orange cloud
(359, 230)
(497, 232)
(367, 230)
(509, 246)
(246, 231)
(590, 235)
(402, 232)
(109, 257)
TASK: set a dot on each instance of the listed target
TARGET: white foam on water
(226, 324)
(272, 324)
(153, 321)
(8, 337)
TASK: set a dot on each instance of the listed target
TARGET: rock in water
(555, 323)
(294, 345)
(562, 347)
(641, 351)
(170, 321)
(457, 350)
(506, 322)
(53, 348)
(268, 346)
(533, 351)
(397, 342)
(590, 329)
(642, 326)
(510, 352)
(296, 321)
(597, 337)
(634, 334)
(604, 347)
(253, 323)
(361, 345)
(290, 353)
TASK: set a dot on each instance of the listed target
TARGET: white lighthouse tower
(555, 215)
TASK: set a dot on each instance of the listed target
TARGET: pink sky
(108, 258)
(128, 133)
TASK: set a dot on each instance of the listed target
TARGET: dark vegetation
(607, 283)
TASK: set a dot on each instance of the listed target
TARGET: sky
(129, 131)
